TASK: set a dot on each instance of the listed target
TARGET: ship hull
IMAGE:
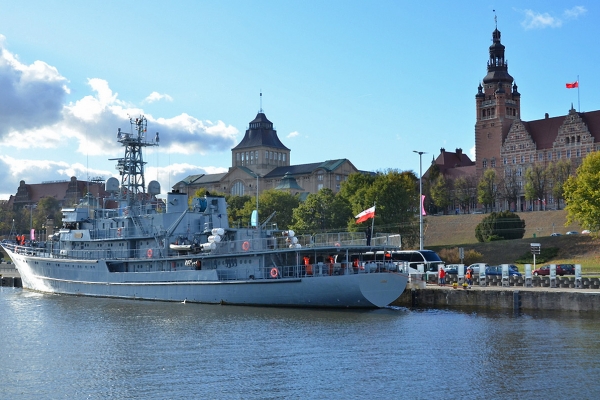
(92, 278)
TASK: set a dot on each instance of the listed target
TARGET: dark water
(55, 347)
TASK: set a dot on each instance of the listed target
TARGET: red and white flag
(365, 215)
(573, 85)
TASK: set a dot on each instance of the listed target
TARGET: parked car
(452, 269)
(572, 233)
(545, 270)
(475, 267)
(497, 270)
(555, 234)
(568, 269)
(585, 232)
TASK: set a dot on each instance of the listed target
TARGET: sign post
(536, 248)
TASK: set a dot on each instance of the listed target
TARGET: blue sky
(370, 81)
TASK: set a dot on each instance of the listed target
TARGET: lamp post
(420, 153)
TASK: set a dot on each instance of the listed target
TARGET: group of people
(20, 239)
(442, 276)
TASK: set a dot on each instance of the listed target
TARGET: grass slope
(459, 231)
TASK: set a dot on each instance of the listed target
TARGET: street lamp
(420, 153)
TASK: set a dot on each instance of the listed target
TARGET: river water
(56, 347)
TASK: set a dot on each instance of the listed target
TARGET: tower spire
(495, 19)
(260, 110)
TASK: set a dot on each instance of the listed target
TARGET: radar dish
(112, 185)
(154, 188)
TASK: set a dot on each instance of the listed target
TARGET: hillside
(459, 231)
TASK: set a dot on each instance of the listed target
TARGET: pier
(565, 296)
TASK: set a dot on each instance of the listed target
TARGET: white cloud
(538, 20)
(575, 12)
(155, 96)
(293, 135)
(35, 93)
(472, 153)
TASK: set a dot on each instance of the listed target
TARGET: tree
(440, 193)
(498, 226)
(236, 209)
(486, 189)
(508, 188)
(536, 182)
(465, 191)
(582, 195)
(321, 212)
(269, 201)
(558, 173)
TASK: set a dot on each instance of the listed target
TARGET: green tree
(582, 195)
(270, 201)
(487, 190)
(440, 193)
(321, 212)
(236, 212)
(498, 226)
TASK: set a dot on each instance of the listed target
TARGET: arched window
(237, 189)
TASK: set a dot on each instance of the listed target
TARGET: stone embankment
(515, 296)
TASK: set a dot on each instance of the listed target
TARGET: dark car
(497, 270)
(568, 269)
(545, 270)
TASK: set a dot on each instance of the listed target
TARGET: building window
(319, 186)
(251, 157)
(558, 155)
(522, 159)
(568, 153)
(337, 177)
(531, 158)
(493, 163)
(256, 156)
(320, 177)
(237, 189)
(284, 157)
(541, 157)
(578, 153)
(549, 156)
(505, 161)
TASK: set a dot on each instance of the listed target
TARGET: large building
(261, 162)
(510, 145)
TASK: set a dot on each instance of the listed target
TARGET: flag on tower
(573, 85)
(365, 215)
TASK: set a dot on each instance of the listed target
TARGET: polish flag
(365, 215)
(573, 85)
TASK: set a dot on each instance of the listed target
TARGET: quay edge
(502, 298)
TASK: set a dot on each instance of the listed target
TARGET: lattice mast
(131, 166)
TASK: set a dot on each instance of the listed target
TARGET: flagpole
(578, 106)
(373, 220)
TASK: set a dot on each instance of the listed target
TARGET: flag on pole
(573, 85)
(423, 204)
(365, 215)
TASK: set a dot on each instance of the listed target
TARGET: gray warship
(184, 250)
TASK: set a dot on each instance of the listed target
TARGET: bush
(450, 256)
(504, 225)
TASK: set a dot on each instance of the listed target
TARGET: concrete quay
(9, 276)
(507, 298)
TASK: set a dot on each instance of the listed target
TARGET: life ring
(149, 253)
(337, 244)
(246, 246)
(119, 231)
(274, 272)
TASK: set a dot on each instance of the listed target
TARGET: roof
(544, 131)
(260, 133)
(288, 183)
(304, 169)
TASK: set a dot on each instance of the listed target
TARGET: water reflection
(63, 346)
